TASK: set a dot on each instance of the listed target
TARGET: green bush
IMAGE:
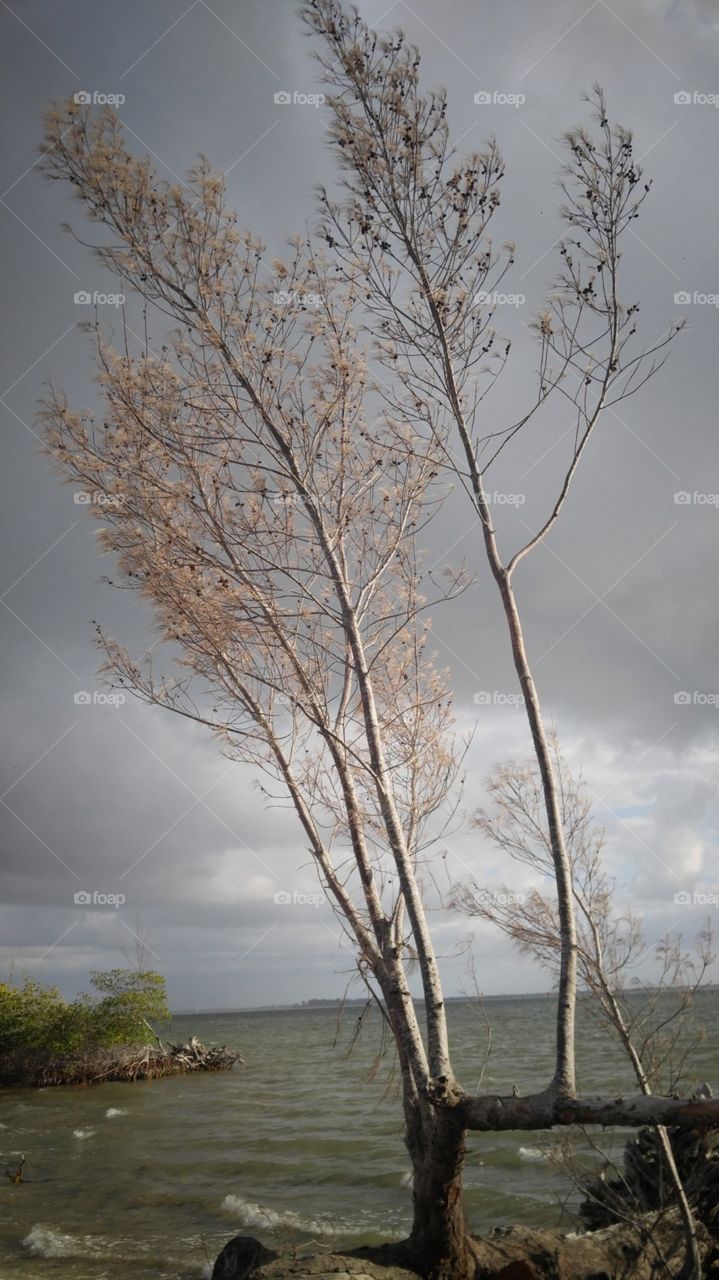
(35, 1021)
(131, 1001)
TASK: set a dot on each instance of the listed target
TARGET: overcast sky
(620, 606)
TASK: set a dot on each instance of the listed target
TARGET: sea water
(303, 1143)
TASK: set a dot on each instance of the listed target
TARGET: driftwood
(195, 1056)
(145, 1063)
(644, 1186)
(15, 1175)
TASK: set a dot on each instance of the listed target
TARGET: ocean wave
(114, 1111)
(252, 1214)
(388, 1223)
(46, 1242)
(533, 1155)
(83, 1133)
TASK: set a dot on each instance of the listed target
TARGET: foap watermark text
(86, 898)
(685, 499)
(501, 898)
(95, 98)
(498, 499)
(695, 98)
(284, 98)
(496, 98)
(485, 298)
(696, 699)
(83, 298)
(695, 298)
(497, 698)
(697, 898)
(82, 498)
(283, 898)
(98, 698)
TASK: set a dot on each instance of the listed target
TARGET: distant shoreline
(317, 1004)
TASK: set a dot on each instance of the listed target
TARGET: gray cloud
(620, 606)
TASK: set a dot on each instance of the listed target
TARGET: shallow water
(150, 1180)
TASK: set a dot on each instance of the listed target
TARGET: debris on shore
(101, 1066)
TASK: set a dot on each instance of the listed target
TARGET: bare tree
(257, 492)
(414, 232)
(247, 494)
(138, 957)
(653, 1032)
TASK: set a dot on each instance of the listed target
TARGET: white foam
(114, 1111)
(82, 1133)
(46, 1242)
(407, 1179)
(533, 1155)
(260, 1216)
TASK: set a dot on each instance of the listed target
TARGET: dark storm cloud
(620, 605)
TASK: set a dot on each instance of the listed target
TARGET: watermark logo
(685, 98)
(501, 899)
(82, 498)
(496, 698)
(695, 298)
(696, 899)
(86, 98)
(696, 699)
(83, 298)
(98, 698)
(498, 499)
(495, 98)
(283, 98)
(287, 501)
(298, 899)
(685, 499)
(484, 298)
(83, 898)
(296, 298)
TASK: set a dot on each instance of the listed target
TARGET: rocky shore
(617, 1252)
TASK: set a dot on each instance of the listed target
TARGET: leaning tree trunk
(439, 1246)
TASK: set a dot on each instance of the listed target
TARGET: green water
(150, 1180)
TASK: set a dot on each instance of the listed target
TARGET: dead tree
(252, 490)
(652, 1036)
(413, 233)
